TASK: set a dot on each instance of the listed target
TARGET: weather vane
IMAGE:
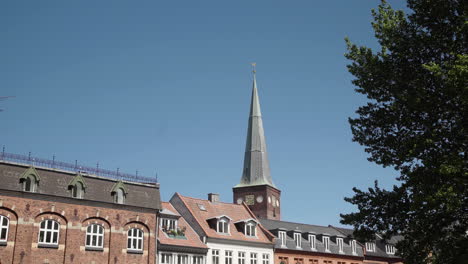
(253, 67)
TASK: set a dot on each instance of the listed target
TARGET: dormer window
(119, 196)
(370, 246)
(30, 183)
(326, 243)
(312, 242)
(250, 229)
(353, 247)
(297, 239)
(282, 237)
(339, 241)
(77, 190)
(168, 224)
(223, 226)
(390, 249)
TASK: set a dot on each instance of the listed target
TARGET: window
(227, 257)
(4, 225)
(250, 229)
(390, 249)
(265, 258)
(215, 254)
(327, 262)
(340, 262)
(312, 241)
(49, 232)
(298, 261)
(168, 224)
(370, 246)
(282, 237)
(241, 256)
(326, 243)
(197, 260)
(223, 226)
(339, 241)
(313, 261)
(283, 260)
(30, 183)
(297, 239)
(182, 259)
(353, 247)
(94, 236)
(119, 196)
(166, 258)
(135, 239)
(77, 190)
(253, 258)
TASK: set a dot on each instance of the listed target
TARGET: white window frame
(228, 257)
(95, 233)
(77, 190)
(265, 258)
(241, 257)
(197, 259)
(166, 258)
(353, 247)
(312, 240)
(215, 256)
(326, 243)
(253, 258)
(370, 246)
(223, 226)
(340, 243)
(32, 185)
(119, 196)
(297, 240)
(135, 238)
(390, 249)
(282, 237)
(168, 224)
(53, 232)
(4, 228)
(182, 259)
(250, 229)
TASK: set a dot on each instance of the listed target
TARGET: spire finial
(253, 67)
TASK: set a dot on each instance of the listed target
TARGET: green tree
(415, 121)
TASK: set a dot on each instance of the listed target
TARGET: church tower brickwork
(256, 187)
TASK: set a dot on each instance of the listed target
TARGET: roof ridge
(206, 200)
(295, 223)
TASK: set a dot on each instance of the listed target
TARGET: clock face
(239, 201)
(259, 199)
(249, 199)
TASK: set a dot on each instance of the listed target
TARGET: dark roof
(56, 182)
(274, 226)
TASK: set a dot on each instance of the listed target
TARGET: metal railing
(54, 164)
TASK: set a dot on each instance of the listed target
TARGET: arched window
(49, 232)
(30, 183)
(135, 239)
(4, 225)
(94, 236)
(250, 229)
(77, 190)
(119, 196)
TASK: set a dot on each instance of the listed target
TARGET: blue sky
(165, 86)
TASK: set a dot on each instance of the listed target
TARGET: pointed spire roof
(256, 166)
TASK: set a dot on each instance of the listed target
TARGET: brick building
(57, 216)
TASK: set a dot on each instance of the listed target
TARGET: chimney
(213, 197)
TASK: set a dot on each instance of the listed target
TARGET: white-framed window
(182, 259)
(390, 249)
(227, 257)
(166, 258)
(297, 239)
(119, 196)
(77, 190)
(135, 239)
(326, 243)
(353, 247)
(223, 226)
(49, 232)
(370, 246)
(250, 229)
(95, 236)
(253, 258)
(30, 183)
(265, 258)
(241, 257)
(4, 226)
(339, 241)
(312, 242)
(197, 260)
(168, 224)
(282, 237)
(215, 256)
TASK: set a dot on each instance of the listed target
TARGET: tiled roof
(305, 229)
(191, 238)
(237, 212)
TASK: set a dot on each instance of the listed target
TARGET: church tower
(256, 187)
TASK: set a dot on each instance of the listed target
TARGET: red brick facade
(270, 205)
(26, 211)
(301, 257)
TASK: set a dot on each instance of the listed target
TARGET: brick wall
(293, 257)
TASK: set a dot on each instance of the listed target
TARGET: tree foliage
(416, 121)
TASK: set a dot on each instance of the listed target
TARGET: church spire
(256, 166)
